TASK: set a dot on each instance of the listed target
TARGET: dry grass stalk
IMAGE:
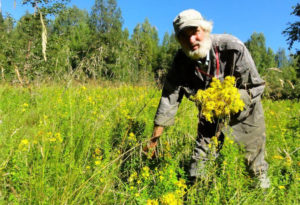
(44, 37)
(276, 69)
(281, 82)
(2, 72)
(18, 75)
(291, 84)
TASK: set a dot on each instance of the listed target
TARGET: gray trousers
(248, 131)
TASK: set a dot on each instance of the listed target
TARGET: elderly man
(201, 57)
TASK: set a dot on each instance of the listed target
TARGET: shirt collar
(206, 61)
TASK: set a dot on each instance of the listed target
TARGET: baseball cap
(187, 18)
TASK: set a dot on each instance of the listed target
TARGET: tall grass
(82, 145)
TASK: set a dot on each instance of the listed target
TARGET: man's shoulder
(180, 58)
(180, 54)
(227, 42)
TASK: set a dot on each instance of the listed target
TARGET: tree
(47, 6)
(145, 40)
(71, 32)
(263, 57)
(293, 31)
(106, 17)
(28, 46)
(293, 34)
(106, 24)
(3, 45)
(6, 46)
(281, 59)
(166, 54)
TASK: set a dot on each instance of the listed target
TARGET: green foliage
(279, 72)
(47, 6)
(82, 145)
(108, 39)
(282, 83)
(165, 57)
(70, 35)
(264, 58)
(292, 32)
(85, 46)
(145, 41)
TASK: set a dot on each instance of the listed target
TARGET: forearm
(149, 149)
(157, 132)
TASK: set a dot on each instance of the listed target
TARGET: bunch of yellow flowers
(220, 100)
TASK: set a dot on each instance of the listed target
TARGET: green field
(82, 145)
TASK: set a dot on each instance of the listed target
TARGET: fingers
(150, 149)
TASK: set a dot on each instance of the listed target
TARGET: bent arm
(248, 77)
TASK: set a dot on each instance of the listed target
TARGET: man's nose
(192, 39)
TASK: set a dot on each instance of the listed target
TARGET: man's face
(195, 42)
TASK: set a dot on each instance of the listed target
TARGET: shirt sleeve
(247, 75)
(170, 100)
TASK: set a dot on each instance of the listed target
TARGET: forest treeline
(60, 43)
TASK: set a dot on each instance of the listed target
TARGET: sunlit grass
(82, 144)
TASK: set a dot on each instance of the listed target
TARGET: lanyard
(217, 63)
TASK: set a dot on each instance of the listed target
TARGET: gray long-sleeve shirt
(184, 79)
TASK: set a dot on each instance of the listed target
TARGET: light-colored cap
(187, 18)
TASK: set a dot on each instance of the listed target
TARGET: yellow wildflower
(277, 157)
(23, 144)
(97, 151)
(145, 172)
(220, 99)
(215, 140)
(281, 187)
(170, 199)
(152, 202)
(288, 161)
(52, 139)
(58, 137)
(181, 184)
(132, 177)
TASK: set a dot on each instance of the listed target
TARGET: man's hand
(150, 148)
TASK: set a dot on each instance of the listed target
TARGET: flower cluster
(167, 188)
(220, 100)
(170, 199)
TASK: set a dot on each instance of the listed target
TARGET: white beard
(202, 51)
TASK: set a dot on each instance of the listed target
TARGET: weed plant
(83, 145)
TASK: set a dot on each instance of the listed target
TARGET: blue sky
(237, 17)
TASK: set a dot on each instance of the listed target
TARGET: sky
(240, 18)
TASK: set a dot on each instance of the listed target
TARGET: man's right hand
(150, 148)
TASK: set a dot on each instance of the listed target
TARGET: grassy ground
(82, 145)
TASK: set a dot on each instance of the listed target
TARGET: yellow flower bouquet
(220, 100)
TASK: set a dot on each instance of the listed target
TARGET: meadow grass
(83, 145)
